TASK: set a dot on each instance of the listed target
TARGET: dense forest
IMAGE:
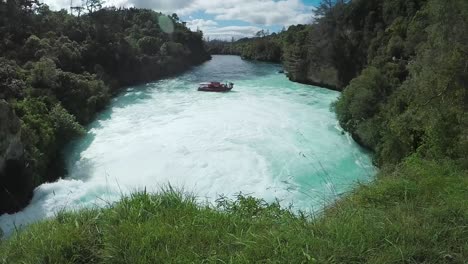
(58, 70)
(403, 67)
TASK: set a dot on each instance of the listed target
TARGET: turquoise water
(269, 137)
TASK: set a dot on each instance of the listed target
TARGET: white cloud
(259, 12)
(226, 33)
(59, 4)
(65, 4)
(201, 24)
(161, 5)
(211, 29)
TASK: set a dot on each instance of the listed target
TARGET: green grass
(416, 213)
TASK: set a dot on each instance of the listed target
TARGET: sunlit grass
(415, 213)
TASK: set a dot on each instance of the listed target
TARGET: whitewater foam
(270, 138)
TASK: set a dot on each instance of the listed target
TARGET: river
(269, 137)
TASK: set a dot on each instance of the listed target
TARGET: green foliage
(61, 69)
(173, 49)
(82, 95)
(32, 45)
(340, 43)
(93, 5)
(261, 49)
(264, 48)
(45, 128)
(414, 214)
(65, 124)
(34, 112)
(68, 54)
(402, 65)
(44, 74)
(358, 104)
(149, 45)
(12, 83)
(420, 103)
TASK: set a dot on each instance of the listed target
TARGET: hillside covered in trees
(58, 70)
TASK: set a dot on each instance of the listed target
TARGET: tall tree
(94, 5)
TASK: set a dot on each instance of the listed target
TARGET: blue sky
(223, 19)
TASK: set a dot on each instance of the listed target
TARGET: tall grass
(416, 213)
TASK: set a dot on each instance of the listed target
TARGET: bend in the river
(269, 137)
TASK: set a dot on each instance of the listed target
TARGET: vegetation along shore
(402, 67)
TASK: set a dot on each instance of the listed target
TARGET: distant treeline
(403, 66)
(57, 70)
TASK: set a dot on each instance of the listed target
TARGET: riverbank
(162, 131)
(57, 71)
(323, 77)
(27, 167)
(413, 214)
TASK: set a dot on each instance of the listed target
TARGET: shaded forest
(58, 70)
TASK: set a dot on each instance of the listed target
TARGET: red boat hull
(215, 87)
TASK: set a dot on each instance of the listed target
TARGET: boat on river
(215, 87)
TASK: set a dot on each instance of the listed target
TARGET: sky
(223, 19)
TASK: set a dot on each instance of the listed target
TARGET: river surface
(269, 137)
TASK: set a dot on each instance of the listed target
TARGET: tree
(32, 45)
(94, 5)
(11, 84)
(327, 6)
(44, 74)
(260, 33)
(175, 17)
(149, 45)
